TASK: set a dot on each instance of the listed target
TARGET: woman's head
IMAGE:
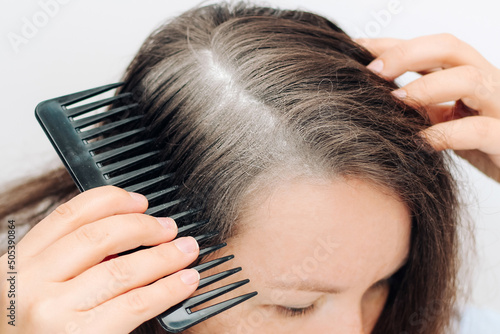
(274, 125)
(321, 253)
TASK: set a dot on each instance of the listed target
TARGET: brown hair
(240, 93)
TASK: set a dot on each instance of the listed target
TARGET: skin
(316, 242)
(67, 283)
(453, 71)
(55, 298)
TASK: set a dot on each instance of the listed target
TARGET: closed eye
(294, 311)
(291, 312)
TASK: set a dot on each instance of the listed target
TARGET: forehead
(347, 230)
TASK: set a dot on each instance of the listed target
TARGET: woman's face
(319, 254)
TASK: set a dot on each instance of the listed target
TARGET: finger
(85, 208)
(427, 52)
(119, 275)
(432, 70)
(125, 312)
(462, 82)
(439, 113)
(91, 243)
(481, 161)
(468, 133)
(377, 46)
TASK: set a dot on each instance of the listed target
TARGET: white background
(84, 44)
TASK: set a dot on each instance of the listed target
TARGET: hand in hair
(452, 71)
(68, 279)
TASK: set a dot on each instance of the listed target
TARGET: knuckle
(482, 127)
(400, 51)
(473, 73)
(65, 211)
(140, 220)
(139, 223)
(122, 193)
(162, 251)
(135, 303)
(40, 311)
(420, 89)
(119, 269)
(448, 38)
(168, 288)
(450, 43)
(113, 189)
(422, 84)
(112, 194)
(90, 234)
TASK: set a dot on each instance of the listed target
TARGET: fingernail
(167, 223)
(190, 276)
(137, 197)
(376, 66)
(186, 245)
(399, 93)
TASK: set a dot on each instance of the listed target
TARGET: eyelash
(300, 312)
(294, 311)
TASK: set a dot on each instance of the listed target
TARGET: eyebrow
(317, 286)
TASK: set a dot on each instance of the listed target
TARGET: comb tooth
(211, 249)
(110, 140)
(123, 178)
(106, 127)
(159, 194)
(205, 297)
(95, 105)
(143, 185)
(220, 307)
(206, 236)
(159, 208)
(217, 277)
(119, 151)
(176, 319)
(189, 227)
(127, 162)
(211, 264)
(77, 97)
(185, 213)
(81, 123)
(210, 311)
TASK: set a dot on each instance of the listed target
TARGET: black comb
(100, 144)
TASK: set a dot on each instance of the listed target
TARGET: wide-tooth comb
(97, 150)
